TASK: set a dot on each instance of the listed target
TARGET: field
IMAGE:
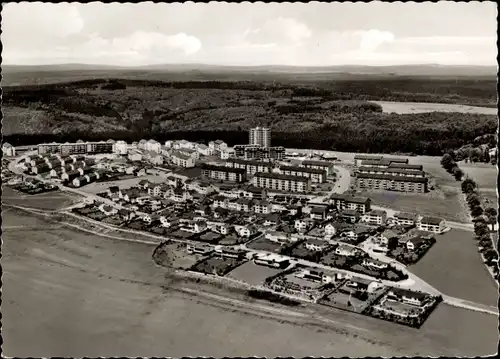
(252, 273)
(454, 266)
(45, 201)
(442, 203)
(419, 107)
(263, 244)
(175, 255)
(124, 305)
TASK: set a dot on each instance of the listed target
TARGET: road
(342, 184)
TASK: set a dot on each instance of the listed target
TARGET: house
(135, 156)
(152, 145)
(204, 150)
(230, 253)
(319, 213)
(189, 152)
(145, 184)
(432, 224)
(147, 218)
(218, 227)
(246, 231)
(8, 150)
(414, 243)
(407, 296)
(139, 172)
(386, 236)
(169, 222)
(278, 237)
(179, 195)
(194, 226)
(220, 212)
(272, 219)
(374, 263)
(271, 260)
(346, 250)
(182, 160)
(126, 215)
(243, 205)
(350, 215)
(316, 245)
(377, 217)
(315, 275)
(330, 230)
(405, 219)
(80, 181)
(114, 191)
(156, 160)
(303, 225)
(200, 249)
(220, 201)
(108, 210)
(262, 207)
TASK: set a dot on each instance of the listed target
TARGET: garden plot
(252, 273)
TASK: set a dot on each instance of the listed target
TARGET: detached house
(407, 296)
(350, 215)
(432, 224)
(414, 243)
(316, 245)
(262, 207)
(303, 225)
(405, 219)
(376, 217)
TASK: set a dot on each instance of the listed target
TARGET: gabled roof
(431, 220)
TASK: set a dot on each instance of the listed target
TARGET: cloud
(282, 31)
(150, 41)
(372, 39)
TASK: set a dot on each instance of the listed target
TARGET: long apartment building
(250, 166)
(383, 162)
(223, 173)
(76, 148)
(316, 175)
(391, 183)
(318, 165)
(254, 152)
(281, 182)
(391, 171)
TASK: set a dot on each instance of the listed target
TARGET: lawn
(454, 266)
(442, 203)
(263, 244)
(252, 273)
(46, 201)
(217, 265)
(175, 255)
(98, 187)
(419, 107)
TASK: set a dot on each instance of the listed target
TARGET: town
(227, 210)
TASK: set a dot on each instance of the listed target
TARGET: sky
(250, 34)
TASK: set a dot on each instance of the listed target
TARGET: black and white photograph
(224, 179)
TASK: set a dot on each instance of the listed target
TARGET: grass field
(48, 201)
(454, 267)
(102, 297)
(444, 203)
(252, 273)
(419, 107)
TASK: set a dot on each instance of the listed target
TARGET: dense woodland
(324, 115)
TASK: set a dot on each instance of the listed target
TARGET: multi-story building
(359, 204)
(383, 162)
(250, 167)
(431, 224)
(390, 171)
(218, 148)
(406, 166)
(316, 175)
(375, 216)
(260, 136)
(44, 148)
(223, 173)
(391, 183)
(318, 165)
(405, 219)
(121, 147)
(359, 158)
(181, 160)
(99, 147)
(281, 182)
(8, 150)
(250, 152)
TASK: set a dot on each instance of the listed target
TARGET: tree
(458, 173)
(473, 201)
(476, 211)
(481, 231)
(447, 161)
(491, 212)
(468, 185)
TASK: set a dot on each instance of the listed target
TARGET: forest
(323, 115)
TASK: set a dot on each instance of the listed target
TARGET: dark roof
(417, 241)
(318, 210)
(73, 173)
(219, 198)
(316, 163)
(359, 200)
(405, 166)
(282, 177)
(243, 201)
(114, 189)
(252, 189)
(302, 169)
(405, 215)
(393, 178)
(392, 170)
(408, 293)
(222, 168)
(368, 157)
(349, 212)
(431, 220)
(249, 162)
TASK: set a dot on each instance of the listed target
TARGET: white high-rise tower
(260, 136)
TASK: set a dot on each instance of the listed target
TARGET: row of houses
(78, 147)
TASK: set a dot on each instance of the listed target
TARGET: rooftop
(222, 168)
(431, 220)
(281, 177)
(249, 162)
(392, 178)
(301, 169)
(316, 163)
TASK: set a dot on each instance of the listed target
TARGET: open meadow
(102, 297)
(420, 107)
(454, 266)
(45, 201)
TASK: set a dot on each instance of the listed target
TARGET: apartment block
(391, 183)
(260, 136)
(250, 167)
(281, 182)
(315, 175)
(223, 173)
